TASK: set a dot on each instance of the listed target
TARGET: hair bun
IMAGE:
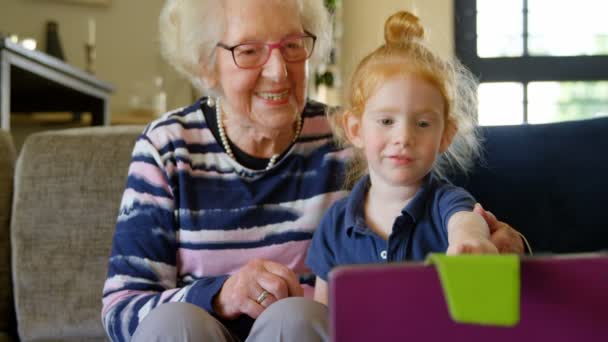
(401, 28)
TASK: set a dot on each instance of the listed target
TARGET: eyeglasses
(294, 49)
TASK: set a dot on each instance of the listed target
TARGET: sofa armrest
(68, 185)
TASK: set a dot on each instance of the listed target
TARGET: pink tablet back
(563, 298)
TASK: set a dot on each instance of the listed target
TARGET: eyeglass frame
(271, 46)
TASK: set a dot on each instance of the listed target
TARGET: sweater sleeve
(142, 272)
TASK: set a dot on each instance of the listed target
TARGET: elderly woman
(223, 196)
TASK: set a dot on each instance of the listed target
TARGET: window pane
(563, 101)
(566, 28)
(499, 28)
(501, 103)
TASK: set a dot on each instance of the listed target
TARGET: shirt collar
(416, 207)
(355, 219)
(355, 206)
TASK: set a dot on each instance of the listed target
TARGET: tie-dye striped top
(190, 215)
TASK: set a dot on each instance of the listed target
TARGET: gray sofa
(64, 191)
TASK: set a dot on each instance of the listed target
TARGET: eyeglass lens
(294, 49)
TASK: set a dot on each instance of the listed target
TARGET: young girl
(411, 119)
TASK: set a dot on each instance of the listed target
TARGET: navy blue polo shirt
(344, 238)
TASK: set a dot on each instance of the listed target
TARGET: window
(537, 60)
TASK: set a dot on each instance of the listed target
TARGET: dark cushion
(7, 168)
(548, 181)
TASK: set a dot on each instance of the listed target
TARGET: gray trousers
(290, 319)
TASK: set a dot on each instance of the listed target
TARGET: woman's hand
(503, 236)
(241, 291)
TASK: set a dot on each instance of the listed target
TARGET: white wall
(363, 23)
(127, 39)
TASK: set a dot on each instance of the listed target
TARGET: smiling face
(401, 131)
(269, 97)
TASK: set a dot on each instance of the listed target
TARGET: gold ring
(262, 297)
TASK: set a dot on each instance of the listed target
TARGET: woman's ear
(449, 131)
(352, 128)
(209, 76)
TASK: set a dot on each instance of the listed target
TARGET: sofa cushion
(67, 190)
(7, 168)
(548, 181)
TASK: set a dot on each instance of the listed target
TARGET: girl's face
(271, 96)
(401, 131)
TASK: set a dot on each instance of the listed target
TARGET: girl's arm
(468, 233)
(321, 291)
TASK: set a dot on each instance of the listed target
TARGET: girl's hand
(468, 233)
(472, 246)
(241, 291)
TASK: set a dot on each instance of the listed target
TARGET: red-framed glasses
(294, 49)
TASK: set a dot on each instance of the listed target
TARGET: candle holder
(90, 56)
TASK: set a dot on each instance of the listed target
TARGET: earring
(210, 102)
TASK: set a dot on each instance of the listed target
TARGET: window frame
(521, 69)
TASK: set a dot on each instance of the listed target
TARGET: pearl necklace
(220, 127)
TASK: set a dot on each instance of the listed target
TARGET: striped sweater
(190, 215)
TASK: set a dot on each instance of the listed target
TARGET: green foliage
(326, 78)
(579, 100)
(331, 5)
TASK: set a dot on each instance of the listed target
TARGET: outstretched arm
(468, 233)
